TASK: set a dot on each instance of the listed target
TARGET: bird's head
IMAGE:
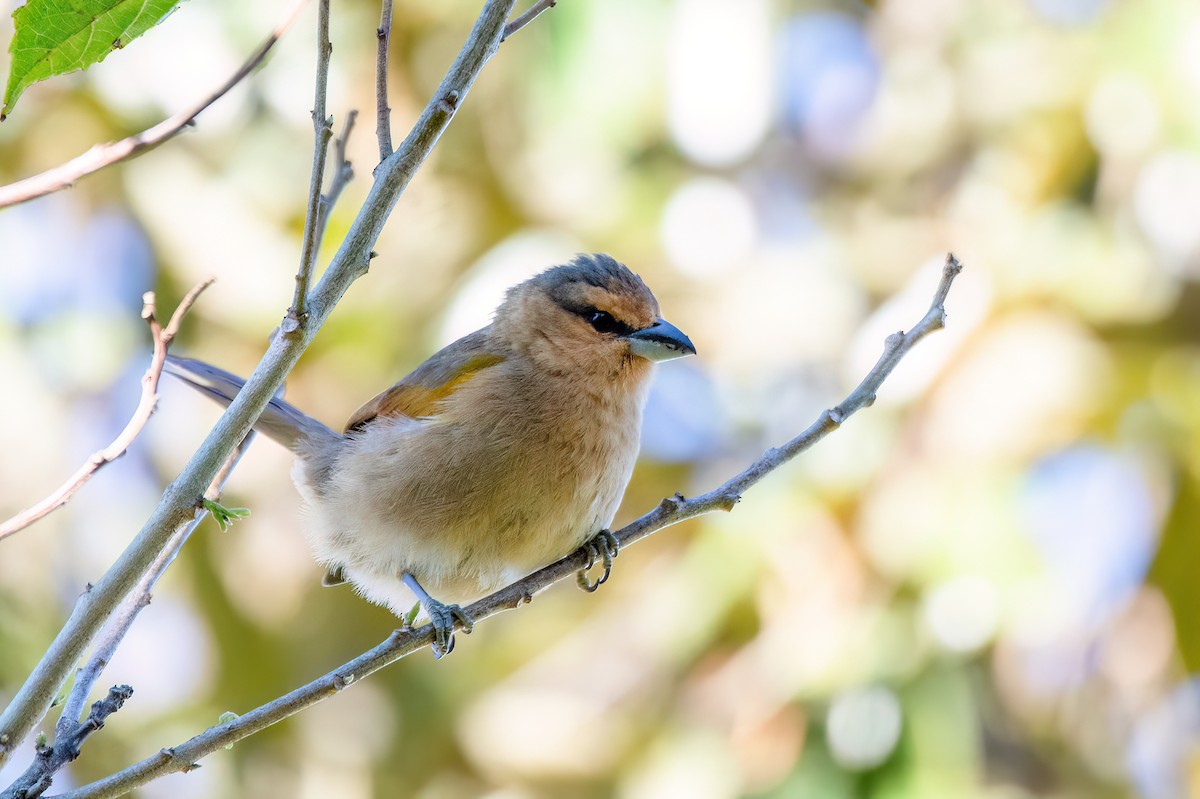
(591, 314)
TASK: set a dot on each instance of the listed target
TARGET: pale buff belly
(465, 512)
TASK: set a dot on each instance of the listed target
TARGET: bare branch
(68, 740)
(139, 598)
(322, 131)
(383, 112)
(532, 13)
(343, 173)
(162, 338)
(103, 155)
(71, 731)
(49, 759)
(406, 641)
(178, 503)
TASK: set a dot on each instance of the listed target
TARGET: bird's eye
(604, 322)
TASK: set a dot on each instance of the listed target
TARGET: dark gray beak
(662, 341)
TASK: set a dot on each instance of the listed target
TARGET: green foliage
(224, 516)
(53, 37)
(225, 718)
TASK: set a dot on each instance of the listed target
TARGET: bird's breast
(508, 477)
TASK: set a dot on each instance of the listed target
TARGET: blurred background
(983, 586)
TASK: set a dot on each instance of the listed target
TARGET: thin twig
(161, 338)
(343, 173)
(68, 741)
(322, 131)
(139, 598)
(530, 15)
(178, 501)
(406, 641)
(102, 155)
(40, 774)
(49, 759)
(383, 112)
(172, 329)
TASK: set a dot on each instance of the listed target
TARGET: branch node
(290, 323)
(670, 504)
(728, 503)
(102, 709)
(953, 266)
(449, 101)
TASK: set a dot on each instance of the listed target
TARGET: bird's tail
(280, 421)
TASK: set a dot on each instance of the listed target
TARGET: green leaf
(225, 718)
(53, 37)
(225, 516)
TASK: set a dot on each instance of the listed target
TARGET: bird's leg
(441, 616)
(604, 546)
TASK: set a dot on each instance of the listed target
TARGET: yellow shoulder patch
(419, 399)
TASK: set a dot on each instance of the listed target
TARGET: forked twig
(103, 155)
(322, 132)
(528, 16)
(162, 338)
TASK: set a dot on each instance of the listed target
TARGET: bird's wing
(445, 372)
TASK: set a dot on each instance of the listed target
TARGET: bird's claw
(443, 618)
(603, 547)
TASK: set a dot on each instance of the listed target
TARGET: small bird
(503, 452)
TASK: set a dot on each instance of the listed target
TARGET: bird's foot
(603, 548)
(443, 617)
